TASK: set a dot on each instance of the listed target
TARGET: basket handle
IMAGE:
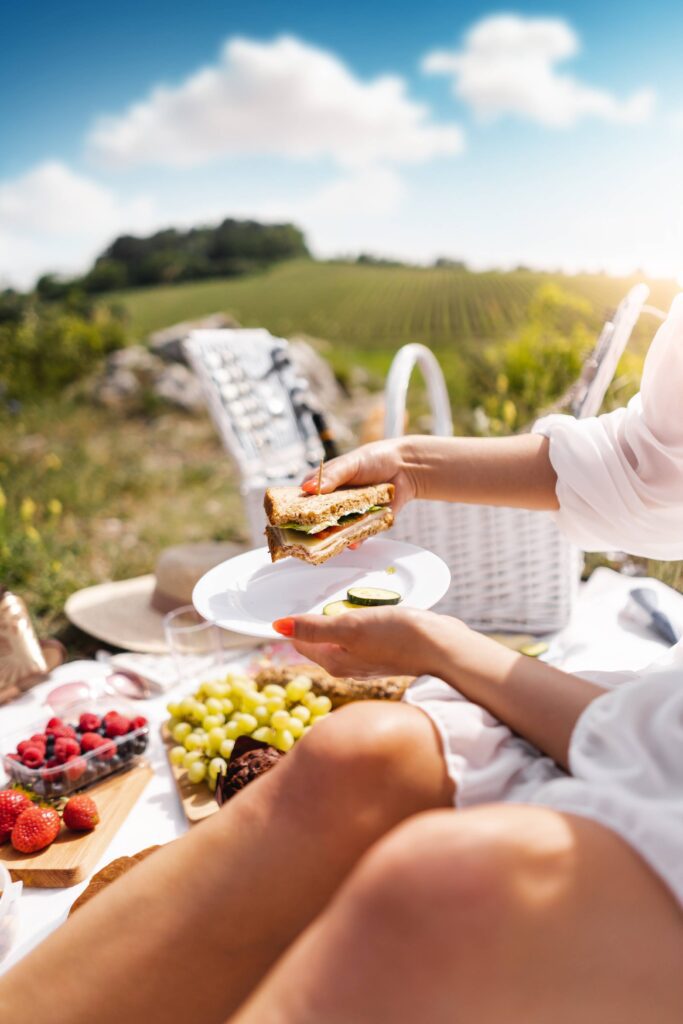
(396, 392)
(601, 365)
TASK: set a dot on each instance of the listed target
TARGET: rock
(178, 386)
(168, 343)
(131, 374)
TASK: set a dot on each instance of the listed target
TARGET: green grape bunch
(205, 725)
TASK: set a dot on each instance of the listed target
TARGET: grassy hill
(367, 307)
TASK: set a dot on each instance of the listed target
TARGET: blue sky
(548, 135)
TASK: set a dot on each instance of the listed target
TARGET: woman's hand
(375, 642)
(381, 462)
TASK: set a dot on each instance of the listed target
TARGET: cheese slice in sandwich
(315, 527)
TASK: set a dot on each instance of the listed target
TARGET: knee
(470, 875)
(358, 738)
(362, 748)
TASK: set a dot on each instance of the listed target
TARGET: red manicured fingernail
(310, 486)
(285, 627)
(354, 547)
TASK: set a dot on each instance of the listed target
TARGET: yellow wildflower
(27, 509)
(56, 566)
(509, 412)
(52, 461)
(502, 383)
(54, 507)
(3, 501)
(32, 534)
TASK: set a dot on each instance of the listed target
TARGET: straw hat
(130, 613)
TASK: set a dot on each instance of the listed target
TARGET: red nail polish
(310, 487)
(285, 627)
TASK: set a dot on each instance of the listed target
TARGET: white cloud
(282, 98)
(508, 65)
(52, 218)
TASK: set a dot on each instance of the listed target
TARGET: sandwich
(315, 527)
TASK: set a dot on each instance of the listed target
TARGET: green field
(366, 307)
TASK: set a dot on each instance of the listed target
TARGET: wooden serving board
(73, 855)
(197, 800)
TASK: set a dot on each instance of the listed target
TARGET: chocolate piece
(249, 763)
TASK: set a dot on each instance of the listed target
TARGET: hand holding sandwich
(514, 471)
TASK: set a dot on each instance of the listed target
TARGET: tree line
(170, 256)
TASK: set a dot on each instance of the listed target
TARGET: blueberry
(140, 744)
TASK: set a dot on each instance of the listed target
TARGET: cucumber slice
(341, 607)
(371, 597)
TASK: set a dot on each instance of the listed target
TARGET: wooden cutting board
(197, 800)
(73, 855)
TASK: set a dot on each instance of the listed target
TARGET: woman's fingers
(343, 470)
(313, 629)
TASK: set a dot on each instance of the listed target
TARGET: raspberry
(61, 730)
(66, 747)
(21, 747)
(53, 722)
(90, 740)
(116, 725)
(140, 722)
(35, 828)
(52, 762)
(74, 767)
(89, 722)
(106, 749)
(80, 814)
(12, 803)
(33, 756)
(39, 737)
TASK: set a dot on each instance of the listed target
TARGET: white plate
(247, 593)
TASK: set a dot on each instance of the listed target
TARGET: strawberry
(74, 767)
(12, 803)
(66, 747)
(139, 722)
(89, 722)
(33, 756)
(80, 814)
(35, 828)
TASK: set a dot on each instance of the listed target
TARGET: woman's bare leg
(187, 934)
(499, 915)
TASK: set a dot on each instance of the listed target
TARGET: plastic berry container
(112, 754)
(9, 896)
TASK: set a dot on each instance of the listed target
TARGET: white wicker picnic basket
(512, 570)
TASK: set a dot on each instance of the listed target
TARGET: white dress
(619, 486)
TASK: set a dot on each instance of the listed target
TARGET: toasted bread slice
(317, 552)
(291, 504)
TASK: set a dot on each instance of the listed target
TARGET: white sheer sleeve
(620, 475)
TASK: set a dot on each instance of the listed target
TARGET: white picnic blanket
(598, 637)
